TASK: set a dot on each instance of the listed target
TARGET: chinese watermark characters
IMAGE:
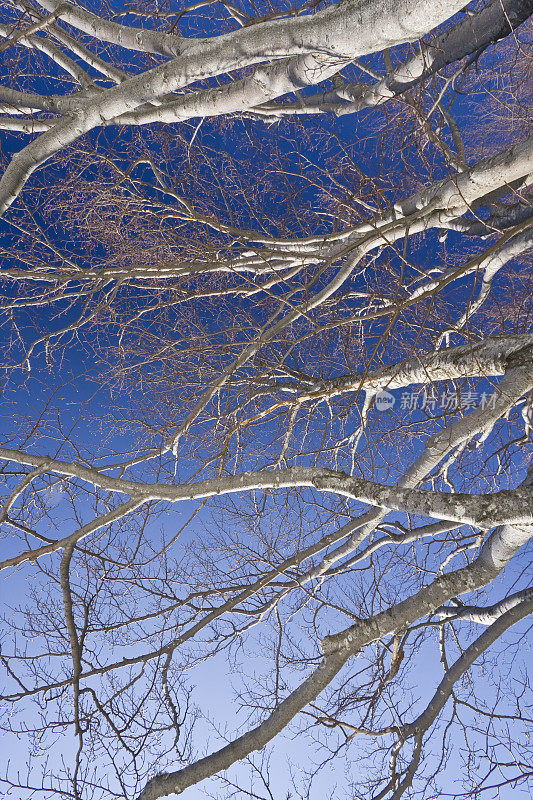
(425, 400)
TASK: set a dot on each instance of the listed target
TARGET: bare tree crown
(268, 390)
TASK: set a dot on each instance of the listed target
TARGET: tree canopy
(267, 388)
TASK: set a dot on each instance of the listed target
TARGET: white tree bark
(341, 646)
(247, 409)
(327, 35)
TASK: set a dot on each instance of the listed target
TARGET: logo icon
(384, 401)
